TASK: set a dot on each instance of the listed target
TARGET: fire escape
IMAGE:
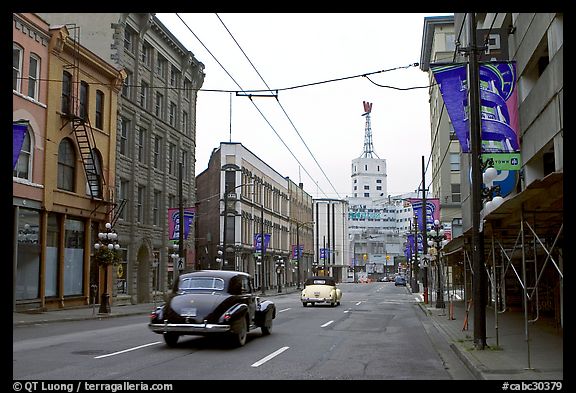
(77, 116)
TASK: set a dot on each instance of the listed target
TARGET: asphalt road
(377, 333)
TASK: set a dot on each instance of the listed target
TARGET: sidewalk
(507, 355)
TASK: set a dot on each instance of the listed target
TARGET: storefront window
(73, 257)
(52, 241)
(28, 255)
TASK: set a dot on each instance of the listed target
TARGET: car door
(249, 296)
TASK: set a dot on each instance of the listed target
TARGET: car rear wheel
(239, 332)
(171, 339)
(305, 304)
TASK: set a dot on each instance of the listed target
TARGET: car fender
(235, 312)
(264, 309)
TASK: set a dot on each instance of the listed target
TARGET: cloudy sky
(314, 71)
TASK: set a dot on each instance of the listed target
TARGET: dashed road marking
(271, 356)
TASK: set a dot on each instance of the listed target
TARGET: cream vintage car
(321, 290)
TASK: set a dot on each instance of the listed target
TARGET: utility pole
(262, 241)
(181, 215)
(298, 253)
(479, 284)
(424, 244)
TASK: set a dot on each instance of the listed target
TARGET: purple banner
(174, 222)
(296, 255)
(432, 211)
(258, 242)
(498, 104)
(18, 135)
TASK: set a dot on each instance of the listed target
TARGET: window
(124, 130)
(173, 76)
(84, 100)
(156, 207)
(73, 256)
(379, 188)
(66, 165)
(366, 195)
(123, 194)
(24, 164)
(454, 162)
(17, 54)
(171, 152)
(158, 106)
(172, 115)
(455, 188)
(157, 159)
(379, 181)
(33, 76)
(184, 164)
(366, 187)
(129, 40)
(185, 122)
(127, 85)
(141, 144)
(66, 92)
(161, 64)
(145, 54)
(99, 109)
(187, 89)
(171, 200)
(96, 189)
(365, 167)
(140, 204)
(144, 95)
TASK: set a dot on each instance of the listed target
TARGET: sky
(320, 67)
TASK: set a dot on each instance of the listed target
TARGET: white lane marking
(346, 311)
(126, 350)
(272, 355)
(358, 303)
(286, 309)
(327, 323)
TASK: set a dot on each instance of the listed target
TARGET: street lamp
(106, 254)
(279, 270)
(175, 256)
(437, 239)
(490, 193)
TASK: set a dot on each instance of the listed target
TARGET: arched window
(66, 165)
(23, 167)
(17, 54)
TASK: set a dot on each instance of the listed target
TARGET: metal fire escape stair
(85, 139)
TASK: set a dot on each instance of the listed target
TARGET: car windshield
(212, 283)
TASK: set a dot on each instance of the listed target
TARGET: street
(378, 332)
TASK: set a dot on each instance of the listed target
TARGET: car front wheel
(267, 327)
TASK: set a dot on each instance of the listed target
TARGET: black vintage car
(213, 302)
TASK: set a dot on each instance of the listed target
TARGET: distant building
(241, 198)
(331, 238)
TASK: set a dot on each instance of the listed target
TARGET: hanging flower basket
(105, 256)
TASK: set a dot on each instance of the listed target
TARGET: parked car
(400, 280)
(321, 290)
(213, 302)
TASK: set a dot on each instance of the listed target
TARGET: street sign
(180, 263)
(504, 161)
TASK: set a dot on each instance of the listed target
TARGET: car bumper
(316, 300)
(188, 328)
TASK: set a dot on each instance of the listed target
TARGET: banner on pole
(174, 222)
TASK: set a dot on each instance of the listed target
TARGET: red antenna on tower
(368, 148)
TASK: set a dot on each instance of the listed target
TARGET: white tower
(369, 173)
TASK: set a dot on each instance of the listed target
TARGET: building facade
(241, 198)
(526, 230)
(331, 239)
(78, 91)
(438, 46)
(156, 136)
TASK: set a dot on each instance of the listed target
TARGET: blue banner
(258, 242)
(498, 104)
(18, 134)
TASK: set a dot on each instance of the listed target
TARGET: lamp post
(106, 255)
(491, 198)
(175, 255)
(279, 270)
(437, 240)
